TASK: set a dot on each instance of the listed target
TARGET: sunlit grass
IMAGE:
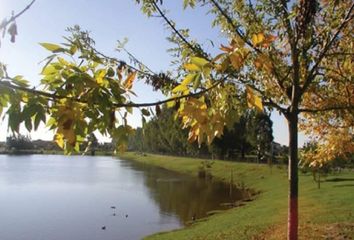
(325, 212)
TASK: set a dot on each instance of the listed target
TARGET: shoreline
(266, 216)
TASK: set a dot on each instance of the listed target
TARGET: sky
(107, 21)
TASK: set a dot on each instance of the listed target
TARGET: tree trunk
(243, 152)
(293, 177)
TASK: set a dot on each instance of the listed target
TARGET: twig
(325, 109)
(13, 18)
(172, 26)
(311, 75)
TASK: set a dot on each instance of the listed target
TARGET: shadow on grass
(339, 179)
(344, 185)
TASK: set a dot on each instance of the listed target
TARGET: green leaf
(40, 116)
(28, 124)
(200, 62)
(20, 81)
(73, 49)
(192, 67)
(145, 112)
(51, 122)
(49, 70)
(196, 82)
(52, 47)
(129, 110)
(110, 72)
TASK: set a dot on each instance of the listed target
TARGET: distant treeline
(21, 144)
(250, 138)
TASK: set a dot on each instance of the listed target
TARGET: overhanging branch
(55, 97)
(349, 16)
(13, 18)
(326, 109)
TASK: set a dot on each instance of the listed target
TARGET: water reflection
(185, 196)
(58, 197)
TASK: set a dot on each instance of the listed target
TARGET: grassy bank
(326, 213)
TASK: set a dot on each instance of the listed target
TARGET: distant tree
(19, 142)
(92, 143)
(260, 133)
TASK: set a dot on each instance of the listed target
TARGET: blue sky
(108, 21)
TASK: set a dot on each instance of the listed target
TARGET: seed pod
(13, 31)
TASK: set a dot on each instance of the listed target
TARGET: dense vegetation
(251, 135)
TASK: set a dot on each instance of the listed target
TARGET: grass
(326, 213)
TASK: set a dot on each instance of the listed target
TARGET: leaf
(73, 49)
(253, 100)
(224, 65)
(236, 60)
(171, 104)
(28, 124)
(129, 81)
(145, 112)
(225, 48)
(180, 88)
(191, 67)
(200, 62)
(100, 76)
(59, 139)
(20, 81)
(12, 31)
(218, 57)
(51, 122)
(196, 82)
(52, 47)
(49, 70)
(188, 79)
(258, 39)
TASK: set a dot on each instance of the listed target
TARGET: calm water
(49, 197)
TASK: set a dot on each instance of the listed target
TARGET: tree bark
(293, 177)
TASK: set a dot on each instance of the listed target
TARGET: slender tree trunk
(293, 177)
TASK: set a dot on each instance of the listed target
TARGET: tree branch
(13, 18)
(311, 75)
(278, 78)
(172, 26)
(229, 20)
(54, 97)
(325, 109)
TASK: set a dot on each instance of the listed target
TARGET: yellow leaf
(253, 100)
(191, 67)
(129, 81)
(180, 88)
(99, 78)
(59, 139)
(171, 104)
(188, 79)
(258, 39)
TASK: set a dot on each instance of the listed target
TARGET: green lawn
(326, 213)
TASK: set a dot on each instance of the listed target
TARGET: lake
(54, 197)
